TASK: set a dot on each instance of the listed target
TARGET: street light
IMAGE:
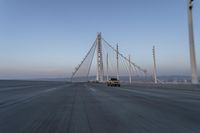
(191, 43)
(190, 4)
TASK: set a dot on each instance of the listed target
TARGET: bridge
(74, 107)
(128, 67)
(110, 62)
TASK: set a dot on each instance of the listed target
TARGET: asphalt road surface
(57, 107)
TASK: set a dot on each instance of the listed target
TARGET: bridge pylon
(100, 71)
(100, 47)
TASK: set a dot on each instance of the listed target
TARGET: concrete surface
(57, 107)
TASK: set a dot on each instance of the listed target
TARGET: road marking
(20, 87)
(145, 92)
(92, 89)
(126, 89)
(27, 98)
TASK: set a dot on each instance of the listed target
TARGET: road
(57, 107)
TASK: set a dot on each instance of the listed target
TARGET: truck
(113, 82)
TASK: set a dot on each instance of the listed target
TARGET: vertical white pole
(117, 56)
(130, 79)
(107, 66)
(100, 72)
(155, 68)
(192, 47)
(97, 50)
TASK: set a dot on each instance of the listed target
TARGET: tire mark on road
(86, 111)
(72, 110)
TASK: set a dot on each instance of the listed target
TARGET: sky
(48, 38)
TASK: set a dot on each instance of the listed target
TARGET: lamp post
(154, 66)
(191, 43)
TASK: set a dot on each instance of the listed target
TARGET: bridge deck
(53, 107)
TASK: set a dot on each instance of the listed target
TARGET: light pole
(154, 66)
(117, 56)
(107, 66)
(191, 42)
(130, 78)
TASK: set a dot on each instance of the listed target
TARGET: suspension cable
(138, 67)
(77, 68)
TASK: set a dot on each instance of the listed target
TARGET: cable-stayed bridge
(103, 61)
(116, 64)
(64, 107)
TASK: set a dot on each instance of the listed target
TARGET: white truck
(113, 82)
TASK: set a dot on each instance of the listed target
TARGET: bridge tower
(100, 72)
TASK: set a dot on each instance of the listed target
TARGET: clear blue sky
(48, 38)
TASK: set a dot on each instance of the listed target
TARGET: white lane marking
(92, 89)
(153, 93)
(27, 98)
(144, 93)
(20, 87)
(125, 89)
(54, 88)
(188, 99)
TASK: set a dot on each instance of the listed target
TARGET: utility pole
(130, 79)
(100, 72)
(192, 46)
(155, 68)
(117, 56)
(107, 67)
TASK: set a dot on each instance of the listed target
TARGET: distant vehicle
(113, 82)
